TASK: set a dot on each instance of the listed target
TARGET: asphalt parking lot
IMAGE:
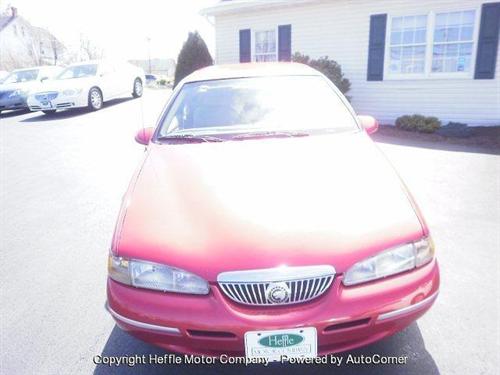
(61, 182)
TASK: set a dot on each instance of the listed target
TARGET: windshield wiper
(190, 138)
(275, 134)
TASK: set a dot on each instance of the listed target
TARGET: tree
(57, 49)
(90, 49)
(330, 68)
(194, 55)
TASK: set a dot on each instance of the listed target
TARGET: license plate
(46, 104)
(273, 345)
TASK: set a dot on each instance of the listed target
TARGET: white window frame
(254, 40)
(429, 47)
(387, 57)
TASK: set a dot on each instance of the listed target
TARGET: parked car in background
(16, 86)
(264, 221)
(88, 84)
(151, 79)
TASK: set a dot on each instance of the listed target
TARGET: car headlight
(69, 92)
(391, 262)
(149, 275)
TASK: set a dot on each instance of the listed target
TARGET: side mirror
(143, 136)
(368, 123)
(44, 79)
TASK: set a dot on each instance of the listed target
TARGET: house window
(407, 44)
(15, 29)
(453, 42)
(431, 45)
(265, 45)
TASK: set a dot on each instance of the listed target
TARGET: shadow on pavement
(408, 342)
(436, 145)
(68, 113)
(15, 112)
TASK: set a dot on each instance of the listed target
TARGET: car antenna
(142, 117)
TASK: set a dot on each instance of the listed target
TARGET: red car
(264, 222)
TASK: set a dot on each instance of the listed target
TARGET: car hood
(25, 86)
(64, 84)
(214, 207)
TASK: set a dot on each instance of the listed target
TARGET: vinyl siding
(340, 30)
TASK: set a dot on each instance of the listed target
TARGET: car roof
(88, 62)
(32, 68)
(251, 70)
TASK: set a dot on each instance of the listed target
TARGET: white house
(23, 45)
(436, 58)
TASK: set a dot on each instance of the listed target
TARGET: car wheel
(49, 111)
(138, 89)
(95, 99)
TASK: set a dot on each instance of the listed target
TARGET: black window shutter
(285, 43)
(245, 46)
(488, 41)
(376, 48)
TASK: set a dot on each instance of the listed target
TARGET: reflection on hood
(64, 84)
(24, 86)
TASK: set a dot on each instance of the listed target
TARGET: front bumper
(16, 102)
(60, 102)
(344, 317)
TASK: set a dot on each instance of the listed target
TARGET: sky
(121, 28)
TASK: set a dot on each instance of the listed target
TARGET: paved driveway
(62, 179)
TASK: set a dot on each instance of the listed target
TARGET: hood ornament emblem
(278, 293)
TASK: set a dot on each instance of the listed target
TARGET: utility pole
(149, 53)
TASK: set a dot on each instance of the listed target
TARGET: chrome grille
(46, 96)
(276, 286)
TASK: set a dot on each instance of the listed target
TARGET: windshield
(78, 71)
(245, 105)
(21, 76)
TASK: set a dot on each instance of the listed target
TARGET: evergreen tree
(194, 55)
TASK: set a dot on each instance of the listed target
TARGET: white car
(88, 84)
(16, 86)
(3, 74)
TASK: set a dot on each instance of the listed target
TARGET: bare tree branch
(90, 49)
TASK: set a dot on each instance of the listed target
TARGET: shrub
(330, 68)
(162, 82)
(194, 55)
(418, 123)
(455, 129)
(454, 124)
